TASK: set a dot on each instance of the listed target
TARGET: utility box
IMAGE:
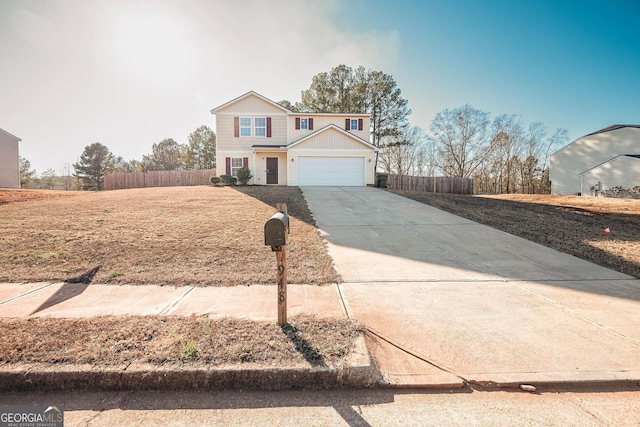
(276, 230)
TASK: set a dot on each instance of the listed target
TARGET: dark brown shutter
(297, 123)
(236, 127)
(347, 122)
(227, 162)
(360, 121)
(268, 127)
(310, 123)
(245, 162)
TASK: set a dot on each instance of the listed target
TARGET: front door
(272, 170)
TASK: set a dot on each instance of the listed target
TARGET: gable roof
(246, 95)
(13, 136)
(607, 129)
(337, 128)
(631, 156)
(612, 128)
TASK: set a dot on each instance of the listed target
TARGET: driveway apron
(471, 301)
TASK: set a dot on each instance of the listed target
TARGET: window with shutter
(245, 126)
(260, 127)
(236, 165)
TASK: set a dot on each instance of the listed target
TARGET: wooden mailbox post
(276, 230)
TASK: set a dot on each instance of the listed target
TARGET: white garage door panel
(347, 171)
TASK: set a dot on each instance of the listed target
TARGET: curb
(357, 372)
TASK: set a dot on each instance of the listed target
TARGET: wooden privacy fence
(442, 184)
(122, 180)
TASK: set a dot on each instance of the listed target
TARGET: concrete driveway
(452, 300)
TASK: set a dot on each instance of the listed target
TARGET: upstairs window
(260, 127)
(245, 127)
(304, 123)
(353, 124)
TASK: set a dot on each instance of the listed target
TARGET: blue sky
(131, 73)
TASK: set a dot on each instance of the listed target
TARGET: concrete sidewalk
(257, 302)
(455, 301)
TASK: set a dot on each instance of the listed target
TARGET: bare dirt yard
(202, 236)
(570, 224)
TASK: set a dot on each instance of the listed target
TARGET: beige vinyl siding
(9, 161)
(331, 143)
(227, 141)
(587, 152)
(321, 120)
(252, 105)
(621, 171)
(331, 139)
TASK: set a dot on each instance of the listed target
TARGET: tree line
(97, 160)
(502, 155)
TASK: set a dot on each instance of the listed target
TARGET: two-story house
(281, 147)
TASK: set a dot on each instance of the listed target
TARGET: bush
(244, 175)
(228, 179)
(215, 180)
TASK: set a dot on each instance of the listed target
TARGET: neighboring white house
(601, 160)
(9, 160)
(281, 147)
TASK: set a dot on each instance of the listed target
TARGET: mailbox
(276, 230)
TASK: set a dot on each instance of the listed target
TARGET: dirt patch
(168, 340)
(574, 225)
(202, 236)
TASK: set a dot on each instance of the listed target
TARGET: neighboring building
(281, 147)
(599, 161)
(9, 160)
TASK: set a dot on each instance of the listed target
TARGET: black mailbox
(276, 230)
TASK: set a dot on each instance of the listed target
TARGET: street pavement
(368, 407)
(452, 301)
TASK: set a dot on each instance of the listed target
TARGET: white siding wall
(587, 152)
(9, 161)
(622, 171)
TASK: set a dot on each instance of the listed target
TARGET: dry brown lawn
(202, 236)
(166, 341)
(570, 224)
(212, 236)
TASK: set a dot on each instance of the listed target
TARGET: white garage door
(346, 171)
